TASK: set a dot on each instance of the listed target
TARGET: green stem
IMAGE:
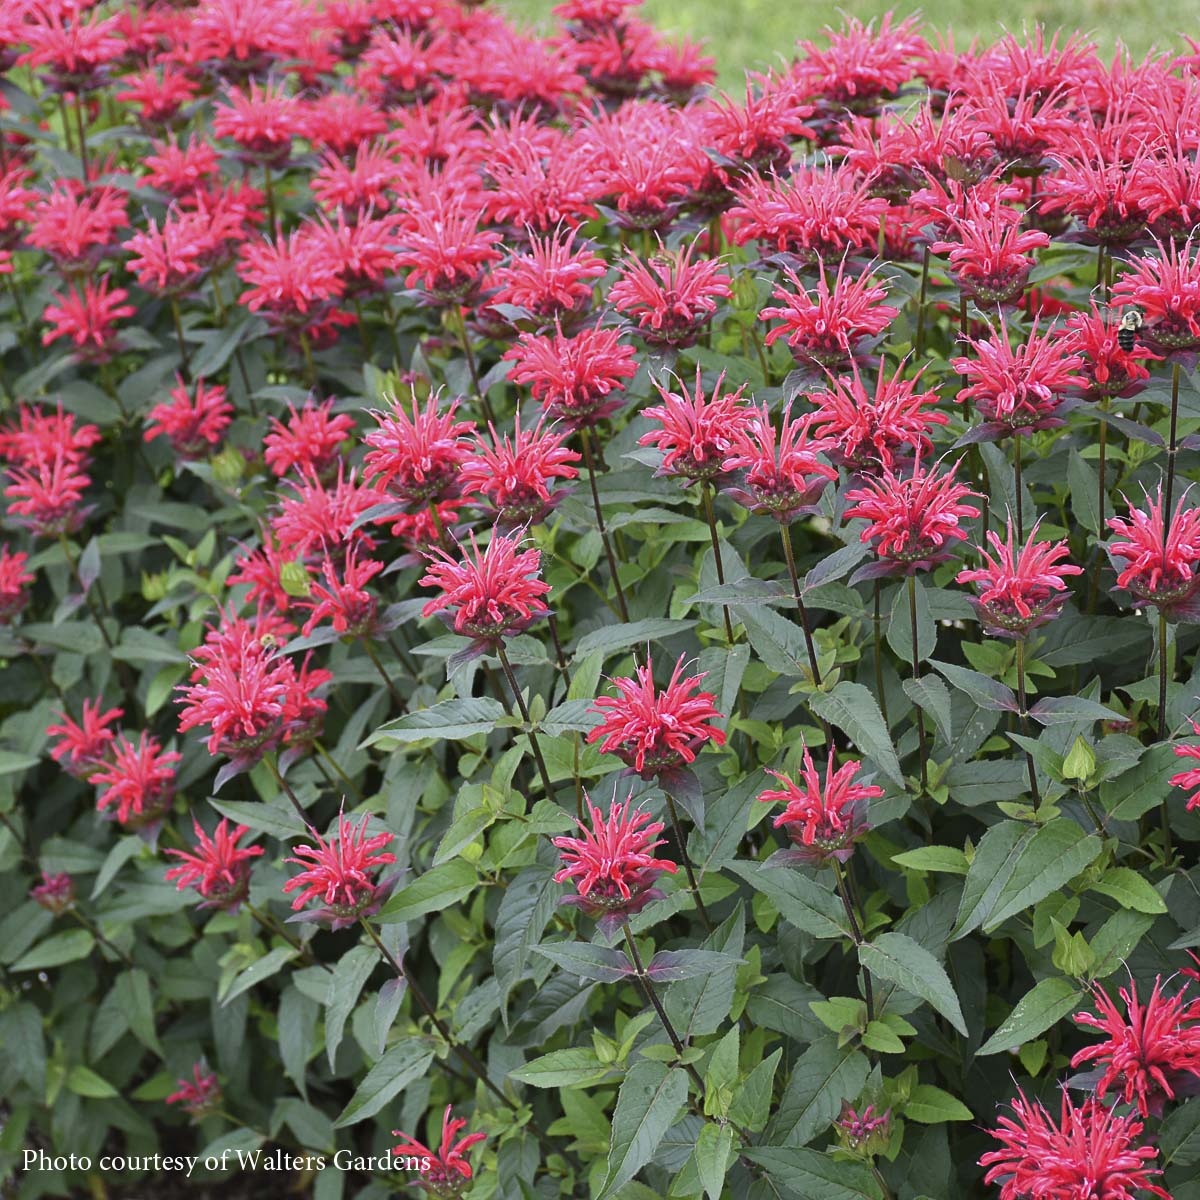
(397, 699)
(856, 934)
(710, 516)
(1023, 714)
(177, 318)
(789, 555)
(1163, 651)
(693, 884)
(919, 342)
(269, 923)
(320, 749)
(878, 619)
(285, 787)
(585, 437)
(469, 354)
(510, 675)
(916, 674)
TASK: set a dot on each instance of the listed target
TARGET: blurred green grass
(757, 33)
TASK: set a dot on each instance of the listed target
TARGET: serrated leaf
(68, 946)
(804, 903)
(587, 961)
(896, 958)
(435, 890)
(612, 638)
(353, 970)
(852, 708)
(986, 692)
(1066, 710)
(450, 720)
(1130, 890)
(932, 695)
(752, 1101)
(816, 1176)
(258, 971)
(931, 1106)
(526, 907)
(1047, 1002)
(899, 630)
(573, 1066)
(404, 1062)
(947, 859)
(667, 966)
(714, 1147)
(824, 1076)
(647, 1106)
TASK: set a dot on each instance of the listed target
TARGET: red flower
(341, 120)
(77, 225)
(989, 251)
(868, 433)
(172, 259)
(449, 1166)
(181, 170)
(539, 188)
(88, 317)
(293, 279)
(1189, 779)
(1020, 590)
(192, 422)
(911, 521)
(85, 746)
(1024, 388)
(14, 584)
(697, 432)
(671, 296)
(47, 494)
(275, 577)
(823, 818)
(199, 1095)
(613, 862)
(1160, 566)
(783, 475)
(263, 121)
(364, 251)
(56, 893)
(219, 869)
(309, 442)
(446, 250)
(139, 778)
(345, 601)
(493, 593)
(1108, 370)
(1166, 285)
(417, 458)
(338, 872)
(552, 279)
(1150, 1050)
(756, 135)
(515, 477)
(575, 378)
(322, 516)
(1090, 1152)
(861, 65)
(656, 732)
(74, 48)
(824, 327)
(159, 93)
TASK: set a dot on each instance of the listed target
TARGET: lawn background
(756, 33)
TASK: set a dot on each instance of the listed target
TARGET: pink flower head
(193, 420)
(320, 516)
(309, 441)
(338, 872)
(56, 893)
(263, 121)
(218, 869)
(823, 818)
(139, 780)
(1020, 589)
(869, 433)
(294, 281)
(199, 1095)
(913, 521)
(864, 1133)
(493, 593)
(671, 296)
(417, 457)
(1189, 779)
(1090, 1152)
(515, 475)
(448, 1168)
(1108, 370)
(345, 601)
(656, 733)
(445, 249)
(824, 327)
(613, 862)
(1150, 1050)
(696, 432)
(88, 316)
(575, 378)
(989, 252)
(1023, 388)
(1165, 284)
(14, 584)
(756, 135)
(47, 494)
(85, 747)
(783, 475)
(553, 279)
(1159, 566)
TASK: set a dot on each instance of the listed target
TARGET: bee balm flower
(1161, 567)
(448, 1169)
(218, 869)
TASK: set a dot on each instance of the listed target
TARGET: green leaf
(986, 692)
(12, 763)
(751, 1105)
(137, 1004)
(349, 976)
(83, 1081)
(1016, 865)
(777, 640)
(896, 958)
(525, 909)
(667, 966)
(947, 859)
(931, 1106)
(587, 961)
(24, 1044)
(404, 1063)
(714, 1147)
(68, 946)
(1130, 890)
(73, 636)
(1066, 710)
(816, 1176)
(297, 1022)
(612, 638)
(1179, 1136)
(851, 707)
(258, 971)
(433, 891)
(573, 1066)
(824, 1076)
(1047, 1002)
(571, 716)
(451, 720)
(932, 695)
(275, 819)
(648, 1105)
(1144, 786)
(805, 904)
(899, 633)
(1085, 489)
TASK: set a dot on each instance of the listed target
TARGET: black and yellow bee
(1127, 329)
